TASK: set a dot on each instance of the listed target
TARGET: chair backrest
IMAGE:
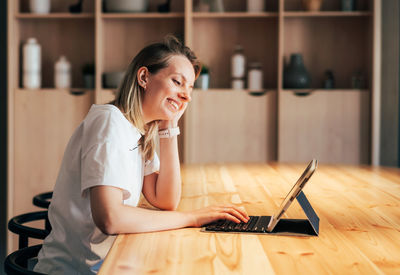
(42, 200)
(16, 263)
(16, 225)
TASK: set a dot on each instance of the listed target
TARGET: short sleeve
(106, 164)
(152, 166)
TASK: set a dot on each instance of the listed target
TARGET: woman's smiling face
(168, 91)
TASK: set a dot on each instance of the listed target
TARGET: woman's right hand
(210, 214)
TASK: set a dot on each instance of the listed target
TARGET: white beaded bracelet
(169, 133)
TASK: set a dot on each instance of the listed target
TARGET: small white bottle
(238, 68)
(31, 64)
(238, 63)
(39, 6)
(255, 77)
(62, 73)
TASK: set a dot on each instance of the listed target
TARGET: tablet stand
(306, 227)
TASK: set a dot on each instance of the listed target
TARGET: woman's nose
(185, 97)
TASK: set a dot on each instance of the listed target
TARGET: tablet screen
(297, 187)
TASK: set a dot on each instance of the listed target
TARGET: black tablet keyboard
(256, 224)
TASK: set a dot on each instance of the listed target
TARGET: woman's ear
(142, 76)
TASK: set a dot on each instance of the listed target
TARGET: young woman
(110, 161)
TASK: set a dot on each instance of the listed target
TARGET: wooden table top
(359, 216)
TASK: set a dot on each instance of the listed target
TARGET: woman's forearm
(130, 219)
(168, 185)
(111, 216)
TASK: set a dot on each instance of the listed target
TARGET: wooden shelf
(55, 16)
(327, 14)
(311, 90)
(150, 15)
(231, 91)
(54, 90)
(234, 14)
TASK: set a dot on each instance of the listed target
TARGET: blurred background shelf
(221, 124)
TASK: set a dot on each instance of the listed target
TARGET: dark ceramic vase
(296, 75)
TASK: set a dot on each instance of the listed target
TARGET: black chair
(17, 262)
(43, 200)
(16, 225)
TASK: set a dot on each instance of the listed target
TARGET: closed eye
(177, 82)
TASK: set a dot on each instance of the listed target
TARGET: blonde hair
(130, 94)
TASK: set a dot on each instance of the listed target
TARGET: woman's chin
(166, 117)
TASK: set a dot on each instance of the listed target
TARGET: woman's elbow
(107, 224)
(169, 206)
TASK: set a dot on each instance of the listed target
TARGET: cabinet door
(230, 126)
(332, 126)
(44, 122)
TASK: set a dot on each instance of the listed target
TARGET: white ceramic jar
(255, 77)
(255, 5)
(238, 63)
(39, 6)
(31, 64)
(62, 73)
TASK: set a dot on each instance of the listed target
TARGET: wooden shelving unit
(221, 125)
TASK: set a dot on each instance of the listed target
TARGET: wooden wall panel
(332, 126)
(44, 123)
(230, 126)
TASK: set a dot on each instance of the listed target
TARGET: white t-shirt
(102, 151)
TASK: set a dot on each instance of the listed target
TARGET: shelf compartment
(59, 6)
(149, 15)
(342, 46)
(327, 5)
(239, 6)
(215, 40)
(234, 14)
(123, 39)
(63, 41)
(54, 90)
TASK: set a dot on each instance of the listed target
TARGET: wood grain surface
(359, 227)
